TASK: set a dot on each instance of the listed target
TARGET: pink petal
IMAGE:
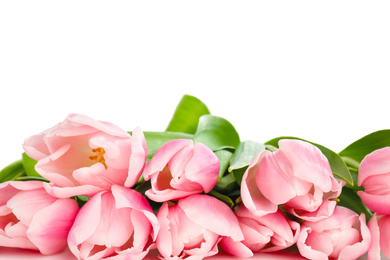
(203, 167)
(251, 196)
(275, 170)
(374, 250)
(106, 127)
(137, 158)
(212, 214)
(85, 223)
(376, 203)
(163, 155)
(384, 227)
(67, 192)
(115, 226)
(360, 248)
(307, 250)
(26, 204)
(50, 226)
(308, 162)
(17, 242)
(169, 194)
(374, 163)
(235, 248)
(128, 198)
(164, 238)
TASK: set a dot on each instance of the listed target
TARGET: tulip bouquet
(193, 190)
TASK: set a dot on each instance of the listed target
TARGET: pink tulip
(344, 235)
(192, 228)
(179, 169)
(297, 176)
(30, 218)
(81, 156)
(380, 237)
(374, 175)
(116, 224)
(269, 233)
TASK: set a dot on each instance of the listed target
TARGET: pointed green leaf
(12, 171)
(224, 157)
(217, 133)
(244, 154)
(336, 162)
(29, 165)
(154, 140)
(187, 114)
(365, 145)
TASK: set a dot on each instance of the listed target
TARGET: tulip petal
(384, 227)
(374, 163)
(26, 204)
(251, 196)
(308, 162)
(374, 250)
(376, 202)
(212, 214)
(50, 226)
(138, 157)
(203, 167)
(164, 238)
(235, 248)
(307, 251)
(358, 249)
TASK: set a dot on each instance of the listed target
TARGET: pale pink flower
(379, 227)
(192, 228)
(374, 175)
(30, 218)
(268, 233)
(82, 156)
(180, 168)
(117, 224)
(344, 235)
(297, 176)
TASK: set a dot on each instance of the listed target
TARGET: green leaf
(81, 200)
(217, 133)
(224, 157)
(187, 114)
(238, 174)
(244, 154)
(12, 171)
(29, 165)
(349, 198)
(367, 144)
(228, 201)
(336, 162)
(154, 140)
(227, 183)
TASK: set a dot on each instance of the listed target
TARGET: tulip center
(99, 156)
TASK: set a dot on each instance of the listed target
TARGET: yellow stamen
(99, 157)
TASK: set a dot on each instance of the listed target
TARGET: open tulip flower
(180, 168)
(117, 224)
(31, 218)
(82, 156)
(297, 176)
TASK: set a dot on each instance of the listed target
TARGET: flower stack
(193, 191)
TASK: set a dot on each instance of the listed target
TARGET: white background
(315, 70)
